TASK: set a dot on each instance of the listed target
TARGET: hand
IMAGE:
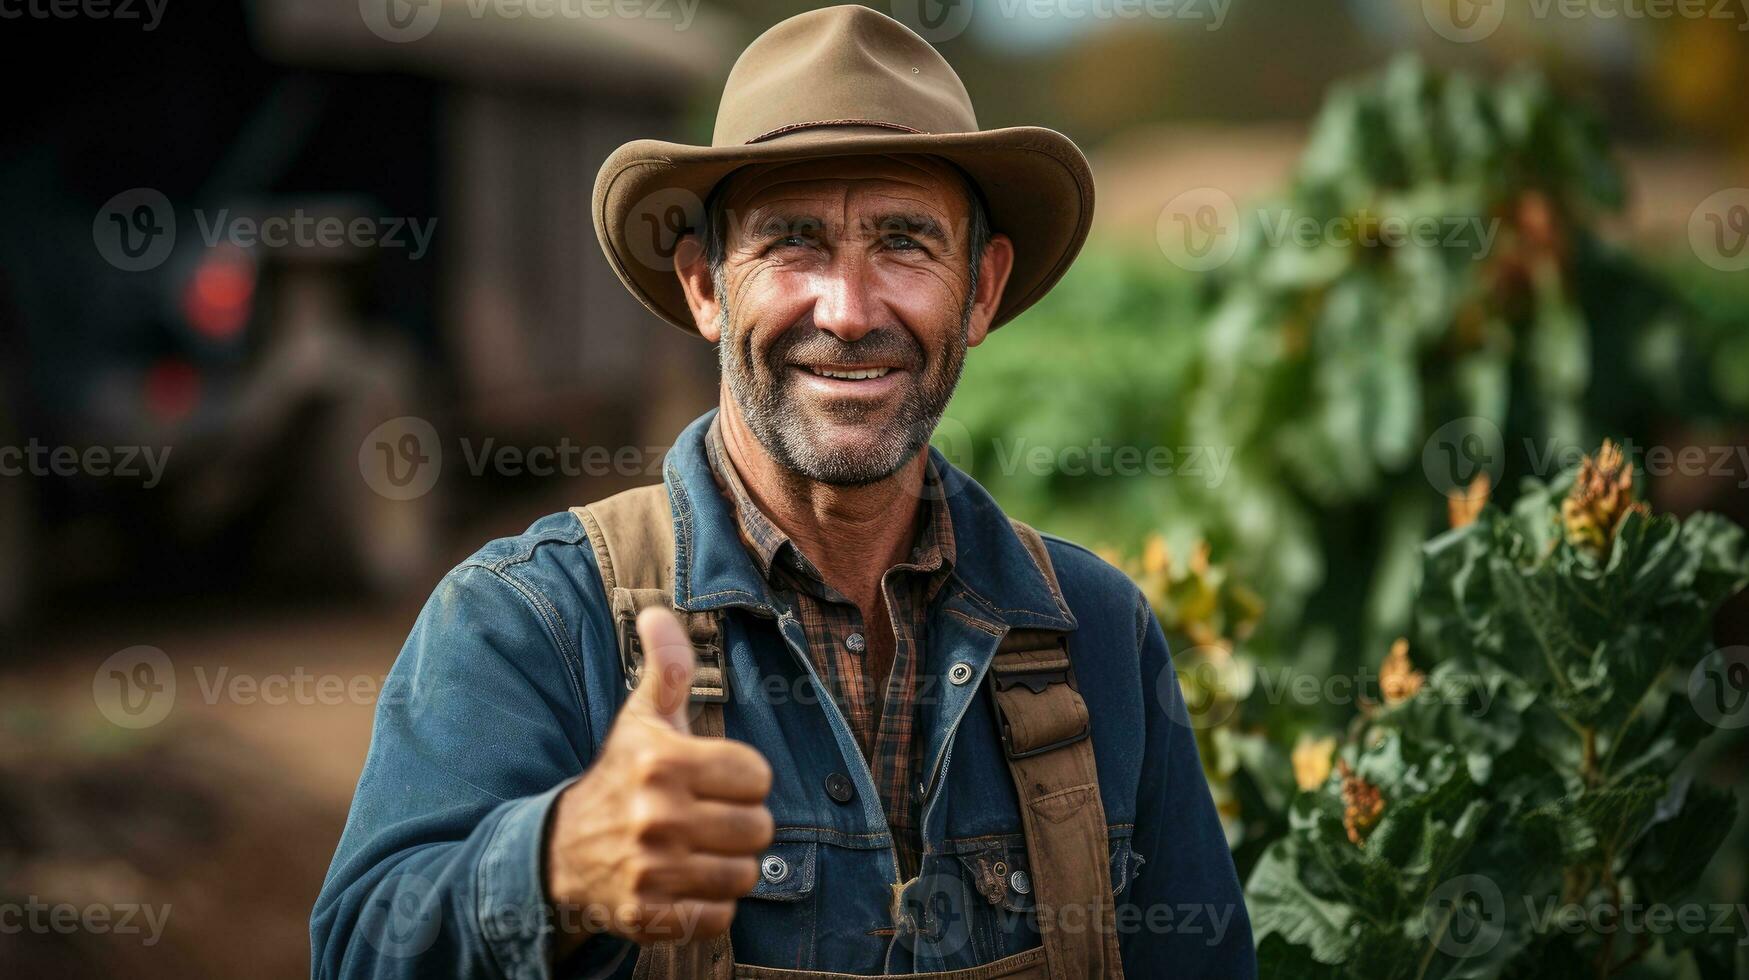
(665, 830)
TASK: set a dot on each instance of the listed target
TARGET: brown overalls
(1044, 734)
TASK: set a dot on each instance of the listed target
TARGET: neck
(851, 534)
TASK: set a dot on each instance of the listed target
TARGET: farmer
(889, 731)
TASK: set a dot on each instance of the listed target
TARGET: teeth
(862, 375)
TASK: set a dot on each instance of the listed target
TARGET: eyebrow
(764, 225)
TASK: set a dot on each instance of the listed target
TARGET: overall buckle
(712, 664)
(1037, 678)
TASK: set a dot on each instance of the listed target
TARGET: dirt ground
(215, 825)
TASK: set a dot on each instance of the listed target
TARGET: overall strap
(632, 534)
(1046, 737)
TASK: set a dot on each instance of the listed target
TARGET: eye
(902, 243)
(793, 241)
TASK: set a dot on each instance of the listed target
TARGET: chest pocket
(777, 922)
(997, 882)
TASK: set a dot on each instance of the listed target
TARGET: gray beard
(774, 418)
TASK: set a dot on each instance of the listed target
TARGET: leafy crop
(1530, 779)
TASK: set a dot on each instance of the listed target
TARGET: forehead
(921, 179)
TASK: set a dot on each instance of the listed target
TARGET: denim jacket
(511, 678)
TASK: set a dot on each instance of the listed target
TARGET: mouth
(838, 382)
(848, 373)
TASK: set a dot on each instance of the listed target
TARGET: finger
(713, 878)
(666, 684)
(728, 771)
(729, 828)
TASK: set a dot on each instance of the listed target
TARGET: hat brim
(1035, 181)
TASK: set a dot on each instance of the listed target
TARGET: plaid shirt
(837, 646)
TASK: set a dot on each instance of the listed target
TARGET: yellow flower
(1398, 678)
(1312, 759)
(1362, 805)
(1462, 506)
(1602, 496)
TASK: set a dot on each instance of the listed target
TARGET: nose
(844, 304)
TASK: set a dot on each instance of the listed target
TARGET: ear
(993, 270)
(694, 270)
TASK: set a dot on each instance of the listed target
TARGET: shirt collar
(713, 570)
(932, 549)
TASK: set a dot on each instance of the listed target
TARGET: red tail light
(217, 299)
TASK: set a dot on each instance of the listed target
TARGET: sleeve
(479, 727)
(1186, 916)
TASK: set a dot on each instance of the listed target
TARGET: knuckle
(652, 818)
(761, 826)
(740, 876)
(652, 765)
(644, 875)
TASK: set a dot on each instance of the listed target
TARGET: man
(896, 733)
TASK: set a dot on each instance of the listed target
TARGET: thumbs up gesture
(664, 830)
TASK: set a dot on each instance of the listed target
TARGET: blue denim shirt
(510, 681)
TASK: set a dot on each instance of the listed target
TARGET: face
(844, 307)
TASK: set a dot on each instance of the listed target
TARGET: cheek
(929, 301)
(921, 288)
(770, 294)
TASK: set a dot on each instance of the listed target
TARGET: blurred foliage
(1533, 768)
(1300, 409)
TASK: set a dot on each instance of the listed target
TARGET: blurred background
(300, 303)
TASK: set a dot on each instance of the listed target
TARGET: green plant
(1306, 390)
(1531, 777)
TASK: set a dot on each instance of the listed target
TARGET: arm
(471, 851)
(1188, 903)
(439, 871)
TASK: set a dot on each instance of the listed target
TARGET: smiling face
(843, 305)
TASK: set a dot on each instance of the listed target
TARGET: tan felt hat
(832, 82)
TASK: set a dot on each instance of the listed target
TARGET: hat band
(793, 127)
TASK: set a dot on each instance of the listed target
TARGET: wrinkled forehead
(925, 180)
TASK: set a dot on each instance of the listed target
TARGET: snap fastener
(840, 788)
(855, 642)
(1020, 881)
(960, 673)
(774, 868)
(1001, 869)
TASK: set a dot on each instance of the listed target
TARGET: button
(839, 787)
(855, 642)
(960, 672)
(1001, 869)
(774, 868)
(1020, 881)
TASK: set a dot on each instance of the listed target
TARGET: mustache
(806, 344)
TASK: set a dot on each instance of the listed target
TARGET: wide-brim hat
(834, 82)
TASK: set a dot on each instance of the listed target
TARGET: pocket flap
(786, 871)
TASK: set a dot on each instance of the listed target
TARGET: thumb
(666, 683)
